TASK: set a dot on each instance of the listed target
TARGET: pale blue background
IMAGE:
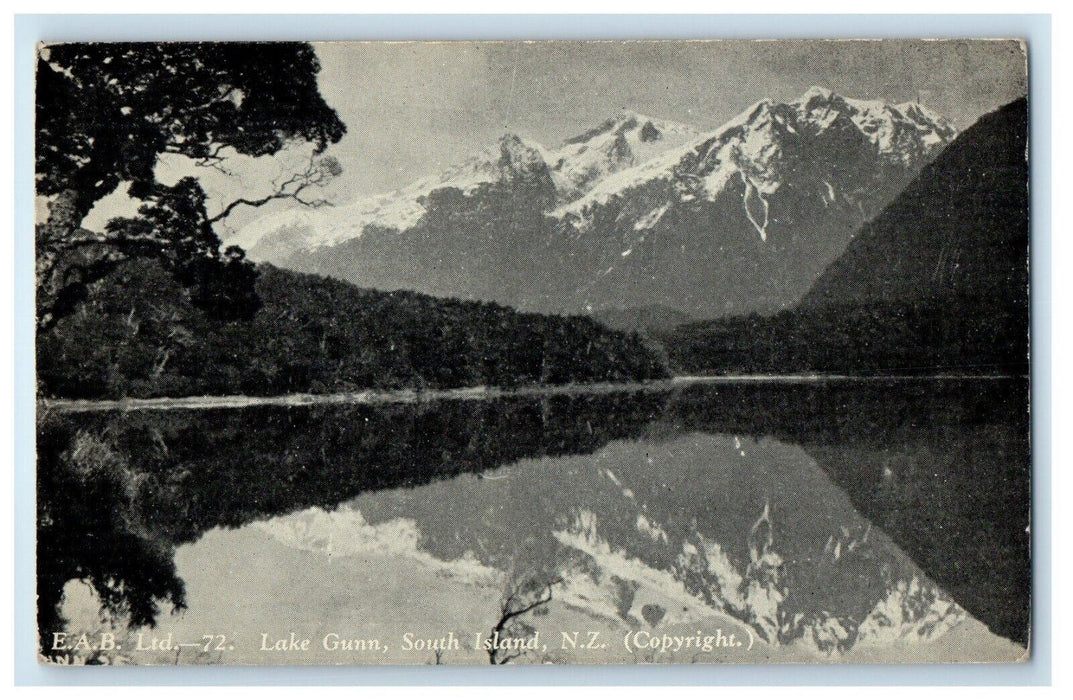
(29, 29)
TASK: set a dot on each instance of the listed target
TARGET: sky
(413, 109)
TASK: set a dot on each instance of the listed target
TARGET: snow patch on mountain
(658, 585)
(310, 228)
(911, 612)
(660, 167)
(345, 533)
(753, 194)
(651, 218)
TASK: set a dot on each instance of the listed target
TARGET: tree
(529, 595)
(105, 114)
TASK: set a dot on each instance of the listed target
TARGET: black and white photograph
(533, 352)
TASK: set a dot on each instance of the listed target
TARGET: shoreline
(479, 393)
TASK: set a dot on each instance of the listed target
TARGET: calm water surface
(862, 521)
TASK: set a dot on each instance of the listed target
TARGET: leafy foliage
(106, 112)
(88, 494)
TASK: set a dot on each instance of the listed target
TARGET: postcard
(559, 352)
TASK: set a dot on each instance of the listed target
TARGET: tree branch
(213, 160)
(248, 202)
(316, 174)
(509, 614)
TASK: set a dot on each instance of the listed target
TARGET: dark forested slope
(937, 282)
(138, 335)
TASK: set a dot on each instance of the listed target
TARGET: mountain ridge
(635, 212)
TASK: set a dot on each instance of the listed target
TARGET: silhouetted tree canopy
(106, 112)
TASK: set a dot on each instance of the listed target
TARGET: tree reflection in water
(940, 467)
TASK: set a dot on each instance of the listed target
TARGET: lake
(841, 521)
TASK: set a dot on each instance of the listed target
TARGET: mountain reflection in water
(828, 517)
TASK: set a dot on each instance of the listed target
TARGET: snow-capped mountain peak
(634, 212)
(770, 142)
(623, 141)
(816, 92)
(616, 144)
(898, 130)
(519, 157)
(648, 129)
(298, 229)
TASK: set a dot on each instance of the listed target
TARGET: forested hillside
(138, 335)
